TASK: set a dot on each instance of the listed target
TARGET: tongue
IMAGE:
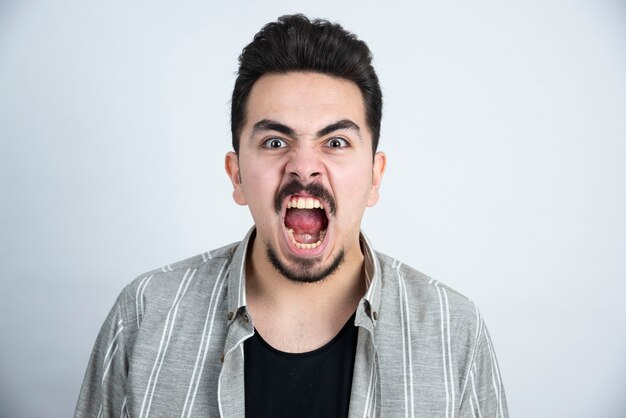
(306, 221)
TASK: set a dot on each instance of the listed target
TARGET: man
(302, 317)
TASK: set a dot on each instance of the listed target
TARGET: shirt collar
(373, 279)
(369, 304)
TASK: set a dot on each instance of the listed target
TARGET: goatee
(303, 271)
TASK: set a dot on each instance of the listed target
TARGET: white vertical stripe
(111, 350)
(204, 258)
(368, 397)
(120, 325)
(409, 349)
(204, 336)
(122, 410)
(443, 353)
(238, 344)
(375, 397)
(479, 325)
(108, 364)
(139, 298)
(212, 303)
(450, 369)
(474, 393)
(168, 339)
(404, 337)
(472, 407)
(241, 299)
(163, 336)
(495, 370)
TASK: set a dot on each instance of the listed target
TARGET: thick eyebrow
(271, 125)
(342, 124)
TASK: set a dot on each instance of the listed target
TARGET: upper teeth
(304, 203)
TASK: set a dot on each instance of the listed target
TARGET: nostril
(303, 176)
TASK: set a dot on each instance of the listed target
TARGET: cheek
(259, 185)
(353, 189)
(362, 180)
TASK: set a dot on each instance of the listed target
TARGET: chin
(304, 269)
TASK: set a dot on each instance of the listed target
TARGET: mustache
(313, 189)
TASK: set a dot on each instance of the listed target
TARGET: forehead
(305, 101)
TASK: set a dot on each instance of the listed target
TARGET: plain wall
(505, 130)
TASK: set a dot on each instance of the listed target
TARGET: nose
(304, 164)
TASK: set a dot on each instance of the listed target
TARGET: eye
(274, 143)
(337, 143)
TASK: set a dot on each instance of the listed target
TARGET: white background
(505, 129)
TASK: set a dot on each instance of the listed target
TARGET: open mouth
(306, 222)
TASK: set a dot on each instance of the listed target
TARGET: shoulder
(424, 295)
(429, 314)
(160, 286)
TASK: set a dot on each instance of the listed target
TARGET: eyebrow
(342, 124)
(271, 125)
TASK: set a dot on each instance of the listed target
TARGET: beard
(304, 270)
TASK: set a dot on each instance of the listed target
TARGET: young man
(301, 318)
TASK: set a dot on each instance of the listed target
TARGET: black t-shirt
(312, 384)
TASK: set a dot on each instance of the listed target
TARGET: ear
(378, 169)
(231, 164)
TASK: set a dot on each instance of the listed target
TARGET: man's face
(305, 169)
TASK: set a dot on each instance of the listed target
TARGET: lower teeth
(304, 246)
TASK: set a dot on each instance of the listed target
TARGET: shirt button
(230, 315)
(375, 315)
(245, 318)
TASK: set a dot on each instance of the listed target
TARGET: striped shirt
(172, 345)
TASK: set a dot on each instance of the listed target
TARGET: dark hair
(294, 43)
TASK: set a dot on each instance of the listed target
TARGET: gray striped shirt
(172, 345)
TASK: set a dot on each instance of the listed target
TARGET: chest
(313, 384)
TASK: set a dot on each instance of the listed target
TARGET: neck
(300, 317)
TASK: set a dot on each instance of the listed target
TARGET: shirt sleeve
(484, 392)
(103, 390)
